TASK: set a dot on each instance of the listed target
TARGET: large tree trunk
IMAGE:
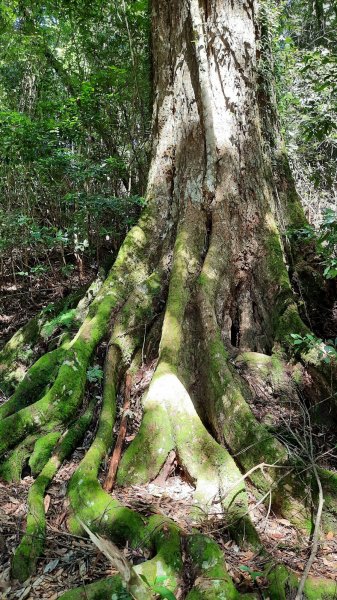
(207, 255)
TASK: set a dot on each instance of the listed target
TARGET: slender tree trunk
(207, 254)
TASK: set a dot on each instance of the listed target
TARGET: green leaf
(94, 374)
(160, 579)
(164, 592)
(144, 579)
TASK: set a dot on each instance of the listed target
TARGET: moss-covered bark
(32, 543)
(212, 579)
(112, 588)
(11, 468)
(63, 317)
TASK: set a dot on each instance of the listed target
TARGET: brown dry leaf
(284, 522)
(330, 535)
(326, 562)
(276, 535)
(248, 555)
(46, 502)
(14, 500)
(82, 568)
(61, 518)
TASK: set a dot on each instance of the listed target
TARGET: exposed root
(23, 348)
(42, 451)
(32, 543)
(11, 468)
(35, 382)
(100, 590)
(283, 584)
(212, 580)
(94, 506)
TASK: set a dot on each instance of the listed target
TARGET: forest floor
(22, 298)
(70, 561)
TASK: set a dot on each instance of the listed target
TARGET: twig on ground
(246, 475)
(111, 477)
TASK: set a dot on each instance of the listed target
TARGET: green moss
(32, 543)
(64, 320)
(11, 468)
(112, 588)
(88, 500)
(329, 483)
(293, 212)
(283, 584)
(59, 403)
(139, 309)
(18, 354)
(275, 260)
(289, 322)
(94, 506)
(213, 580)
(101, 513)
(63, 399)
(34, 384)
(231, 413)
(290, 500)
(42, 451)
(155, 435)
(202, 280)
(320, 589)
(297, 375)
(23, 340)
(164, 537)
(187, 249)
(160, 536)
(271, 369)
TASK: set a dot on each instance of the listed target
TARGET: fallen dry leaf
(284, 522)
(46, 502)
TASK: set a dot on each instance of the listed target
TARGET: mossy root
(32, 543)
(113, 588)
(283, 585)
(212, 581)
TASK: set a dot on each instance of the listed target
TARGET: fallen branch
(135, 585)
(315, 538)
(116, 456)
(166, 470)
(242, 479)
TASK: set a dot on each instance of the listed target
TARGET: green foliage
(62, 321)
(326, 350)
(94, 374)
(325, 240)
(304, 44)
(157, 588)
(74, 122)
(253, 574)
